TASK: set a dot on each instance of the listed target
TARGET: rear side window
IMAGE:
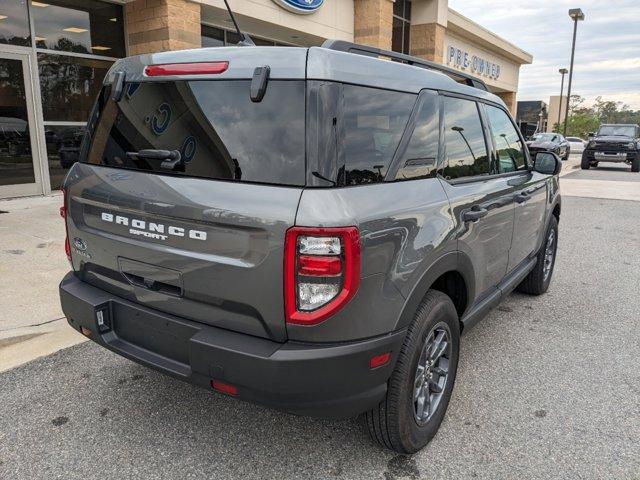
(509, 147)
(466, 149)
(219, 132)
(374, 121)
(420, 157)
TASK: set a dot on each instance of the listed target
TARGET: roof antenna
(245, 40)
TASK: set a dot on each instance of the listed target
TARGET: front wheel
(538, 280)
(420, 386)
(635, 164)
(584, 164)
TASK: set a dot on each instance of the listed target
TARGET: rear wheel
(635, 164)
(420, 387)
(584, 164)
(538, 280)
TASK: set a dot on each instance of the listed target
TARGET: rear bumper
(329, 381)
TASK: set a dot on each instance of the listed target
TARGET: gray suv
(306, 228)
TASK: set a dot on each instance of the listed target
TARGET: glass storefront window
(401, 34)
(69, 86)
(16, 161)
(218, 37)
(14, 23)
(63, 147)
(80, 26)
(211, 36)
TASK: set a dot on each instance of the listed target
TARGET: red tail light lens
(201, 68)
(322, 272)
(319, 266)
(63, 213)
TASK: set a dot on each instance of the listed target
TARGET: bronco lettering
(152, 229)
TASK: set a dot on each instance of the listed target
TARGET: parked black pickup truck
(614, 143)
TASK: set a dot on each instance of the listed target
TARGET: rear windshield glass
(216, 128)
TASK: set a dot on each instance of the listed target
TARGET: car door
(530, 187)
(480, 198)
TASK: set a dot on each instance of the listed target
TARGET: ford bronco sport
(613, 143)
(307, 228)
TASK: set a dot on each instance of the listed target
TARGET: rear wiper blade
(171, 157)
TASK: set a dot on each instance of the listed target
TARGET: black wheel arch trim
(455, 261)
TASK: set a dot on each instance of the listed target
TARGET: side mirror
(591, 135)
(547, 163)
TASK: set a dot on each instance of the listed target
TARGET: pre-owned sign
(481, 66)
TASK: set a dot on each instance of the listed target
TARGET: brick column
(427, 41)
(373, 23)
(509, 98)
(161, 25)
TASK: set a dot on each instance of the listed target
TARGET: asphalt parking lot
(548, 387)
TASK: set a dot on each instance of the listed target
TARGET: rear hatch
(185, 188)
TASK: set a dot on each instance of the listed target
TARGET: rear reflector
(224, 387)
(202, 68)
(379, 360)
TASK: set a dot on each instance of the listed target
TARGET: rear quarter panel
(404, 228)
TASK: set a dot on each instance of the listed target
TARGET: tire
(635, 164)
(538, 280)
(584, 163)
(566, 154)
(394, 424)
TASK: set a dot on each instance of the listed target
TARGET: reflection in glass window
(81, 26)
(69, 86)
(16, 161)
(508, 144)
(466, 150)
(374, 120)
(14, 23)
(421, 155)
(218, 130)
(63, 147)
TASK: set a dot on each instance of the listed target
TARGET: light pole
(576, 15)
(563, 71)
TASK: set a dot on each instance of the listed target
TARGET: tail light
(322, 272)
(63, 213)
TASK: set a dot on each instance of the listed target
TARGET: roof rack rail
(349, 47)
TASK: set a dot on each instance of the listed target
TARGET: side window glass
(374, 121)
(464, 139)
(508, 144)
(420, 158)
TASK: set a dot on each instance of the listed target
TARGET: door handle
(474, 214)
(522, 197)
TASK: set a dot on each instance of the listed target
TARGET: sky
(607, 59)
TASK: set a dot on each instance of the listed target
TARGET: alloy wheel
(432, 373)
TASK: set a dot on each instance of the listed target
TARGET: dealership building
(54, 55)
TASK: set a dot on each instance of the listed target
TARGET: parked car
(550, 142)
(613, 143)
(296, 227)
(576, 144)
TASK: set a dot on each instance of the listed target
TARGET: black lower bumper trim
(329, 381)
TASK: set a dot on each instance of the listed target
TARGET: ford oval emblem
(300, 6)
(79, 244)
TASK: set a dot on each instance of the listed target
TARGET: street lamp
(576, 15)
(563, 71)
